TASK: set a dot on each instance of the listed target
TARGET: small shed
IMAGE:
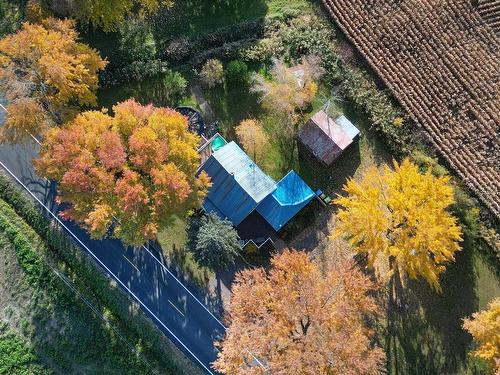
(327, 138)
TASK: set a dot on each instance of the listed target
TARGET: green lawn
(195, 17)
(150, 90)
(231, 104)
(426, 335)
(173, 243)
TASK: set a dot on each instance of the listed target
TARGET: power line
(96, 312)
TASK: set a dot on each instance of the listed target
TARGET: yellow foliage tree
(485, 329)
(109, 14)
(400, 216)
(43, 71)
(286, 95)
(253, 138)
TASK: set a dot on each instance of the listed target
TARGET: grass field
(57, 328)
(50, 322)
(194, 17)
(425, 336)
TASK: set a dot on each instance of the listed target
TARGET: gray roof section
(246, 173)
(347, 126)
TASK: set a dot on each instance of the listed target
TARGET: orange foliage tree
(134, 169)
(44, 70)
(294, 320)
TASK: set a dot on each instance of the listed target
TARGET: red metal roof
(324, 137)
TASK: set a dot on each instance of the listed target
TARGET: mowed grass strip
(123, 316)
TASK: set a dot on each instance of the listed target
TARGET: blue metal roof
(238, 184)
(291, 195)
(246, 173)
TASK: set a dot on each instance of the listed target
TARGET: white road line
(35, 139)
(192, 295)
(154, 257)
(105, 267)
(175, 307)
(132, 264)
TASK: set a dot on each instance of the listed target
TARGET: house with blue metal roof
(240, 188)
(291, 195)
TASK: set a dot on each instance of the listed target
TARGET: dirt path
(208, 113)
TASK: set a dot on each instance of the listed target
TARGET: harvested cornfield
(441, 60)
(490, 11)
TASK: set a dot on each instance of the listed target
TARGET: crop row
(490, 11)
(440, 60)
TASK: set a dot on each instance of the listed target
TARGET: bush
(426, 162)
(179, 49)
(175, 87)
(10, 17)
(213, 241)
(17, 356)
(212, 73)
(136, 41)
(237, 72)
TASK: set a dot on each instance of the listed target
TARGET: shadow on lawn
(194, 17)
(424, 332)
(185, 267)
(329, 179)
(231, 104)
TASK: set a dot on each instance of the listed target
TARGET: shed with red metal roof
(327, 138)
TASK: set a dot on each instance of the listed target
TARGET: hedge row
(184, 49)
(224, 42)
(131, 320)
(37, 272)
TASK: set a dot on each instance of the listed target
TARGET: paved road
(141, 272)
